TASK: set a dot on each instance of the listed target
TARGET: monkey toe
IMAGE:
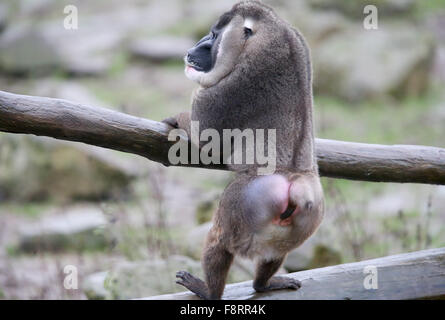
(192, 283)
(293, 283)
(276, 283)
(184, 278)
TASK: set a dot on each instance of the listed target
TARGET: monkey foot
(195, 285)
(276, 283)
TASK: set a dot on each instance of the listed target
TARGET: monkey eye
(247, 32)
(213, 35)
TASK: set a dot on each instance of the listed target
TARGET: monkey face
(240, 35)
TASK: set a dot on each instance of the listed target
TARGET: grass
(429, 6)
(28, 209)
(359, 233)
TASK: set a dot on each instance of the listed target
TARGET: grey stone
(3, 16)
(360, 64)
(41, 169)
(89, 50)
(75, 229)
(23, 49)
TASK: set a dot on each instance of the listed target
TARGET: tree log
(102, 127)
(415, 275)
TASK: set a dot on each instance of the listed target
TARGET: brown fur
(260, 83)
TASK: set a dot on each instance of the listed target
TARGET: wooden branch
(102, 127)
(416, 275)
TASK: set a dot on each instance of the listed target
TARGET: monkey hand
(180, 121)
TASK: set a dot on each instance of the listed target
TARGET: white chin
(193, 74)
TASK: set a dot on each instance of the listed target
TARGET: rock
(37, 169)
(313, 253)
(160, 49)
(317, 26)
(324, 256)
(299, 259)
(68, 90)
(89, 50)
(23, 49)
(94, 286)
(75, 229)
(41, 49)
(355, 8)
(310, 257)
(359, 64)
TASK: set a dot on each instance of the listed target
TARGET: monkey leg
(216, 264)
(264, 281)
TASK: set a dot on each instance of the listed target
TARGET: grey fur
(269, 88)
(263, 82)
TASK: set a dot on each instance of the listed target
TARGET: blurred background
(128, 224)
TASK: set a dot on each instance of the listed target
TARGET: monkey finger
(171, 121)
(294, 284)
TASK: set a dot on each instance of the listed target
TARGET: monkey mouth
(192, 64)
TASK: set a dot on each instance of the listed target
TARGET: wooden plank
(102, 127)
(416, 275)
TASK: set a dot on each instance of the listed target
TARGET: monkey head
(240, 37)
